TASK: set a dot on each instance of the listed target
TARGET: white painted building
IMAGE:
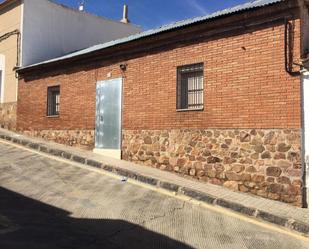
(51, 30)
(305, 121)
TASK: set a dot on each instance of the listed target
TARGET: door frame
(113, 153)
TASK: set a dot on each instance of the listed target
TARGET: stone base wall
(8, 115)
(263, 162)
(77, 138)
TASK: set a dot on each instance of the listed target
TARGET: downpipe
(288, 48)
(8, 35)
(289, 63)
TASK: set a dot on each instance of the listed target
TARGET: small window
(53, 101)
(190, 87)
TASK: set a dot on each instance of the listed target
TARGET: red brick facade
(245, 84)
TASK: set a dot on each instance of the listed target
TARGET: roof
(239, 8)
(6, 3)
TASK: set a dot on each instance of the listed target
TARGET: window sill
(190, 110)
(54, 116)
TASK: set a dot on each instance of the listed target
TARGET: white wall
(305, 82)
(52, 30)
(2, 68)
(306, 109)
(305, 28)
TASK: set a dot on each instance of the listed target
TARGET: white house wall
(304, 28)
(51, 30)
(305, 87)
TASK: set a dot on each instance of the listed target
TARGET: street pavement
(49, 203)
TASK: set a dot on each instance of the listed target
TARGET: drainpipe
(305, 137)
(8, 35)
(304, 74)
(288, 48)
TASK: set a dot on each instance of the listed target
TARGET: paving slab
(279, 213)
(47, 203)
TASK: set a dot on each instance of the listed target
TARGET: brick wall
(246, 87)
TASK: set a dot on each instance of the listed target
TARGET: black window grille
(190, 87)
(53, 101)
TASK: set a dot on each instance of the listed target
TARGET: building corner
(305, 134)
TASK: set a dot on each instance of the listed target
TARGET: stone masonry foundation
(77, 138)
(264, 162)
(8, 115)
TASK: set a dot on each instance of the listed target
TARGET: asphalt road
(47, 203)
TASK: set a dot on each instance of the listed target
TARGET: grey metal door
(108, 114)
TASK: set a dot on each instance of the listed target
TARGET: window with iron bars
(53, 101)
(190, 87)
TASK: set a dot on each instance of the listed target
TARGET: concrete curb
(288, 223)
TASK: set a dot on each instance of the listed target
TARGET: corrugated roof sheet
(247, 6)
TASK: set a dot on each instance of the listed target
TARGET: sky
(152, 13)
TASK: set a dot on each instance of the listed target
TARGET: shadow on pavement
(30, 224)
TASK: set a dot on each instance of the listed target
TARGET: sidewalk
(282, 214)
